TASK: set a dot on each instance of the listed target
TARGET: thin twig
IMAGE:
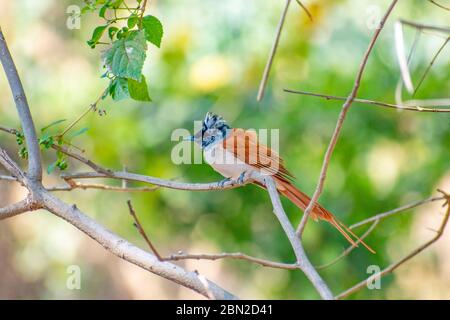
(349, 249)
(92, 107)
(370, 102)
(439, 5)
(144, 5)
(386, 214)
(273, 51)
(305, 9)
(395, 265)
(232, 255)
(185, 256)
(86, 186)
(430, 65)
(141, 231)
(340, 122)
(120, 175)
(422, 26)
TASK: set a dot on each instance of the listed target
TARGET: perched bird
(236, 152)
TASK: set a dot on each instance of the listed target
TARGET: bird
(236, 153)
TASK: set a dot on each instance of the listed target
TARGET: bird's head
(214, 129)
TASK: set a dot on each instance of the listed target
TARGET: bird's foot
(222, 182)
(241, 178)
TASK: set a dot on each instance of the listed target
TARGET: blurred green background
(212, 58)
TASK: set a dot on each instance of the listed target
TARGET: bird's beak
(196, 138)
(189, 138)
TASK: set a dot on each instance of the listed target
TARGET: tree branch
(411, 255)
(34, 154)
(126, 251)
(17, 208)
(340, 122)
(273, 51)
(125, 175)
(386, 214)
(422, 26)
(302, 260)
(184, 256)
(405, 106)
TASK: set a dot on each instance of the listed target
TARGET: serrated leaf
(138, 89)
(125, 58)
(54, 123)
(119, 89)
(96, 35)
(153, 30)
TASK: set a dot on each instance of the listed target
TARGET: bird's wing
(244, 145)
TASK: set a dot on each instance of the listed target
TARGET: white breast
(225, 162)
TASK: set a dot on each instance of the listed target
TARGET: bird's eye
(213, 138)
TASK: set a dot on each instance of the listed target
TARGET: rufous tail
(301, 200)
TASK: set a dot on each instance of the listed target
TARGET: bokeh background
(212, 57)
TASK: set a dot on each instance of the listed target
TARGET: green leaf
(138, 89)
(23, 153)
(96, 35)
(46, 141)
(125, 58)
(118, 89)
(62, 164)
(112, 31)
(102, 11)
(153, 30)
(54, 123)
(79, 132)
(132, 21)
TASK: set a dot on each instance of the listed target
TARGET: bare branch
(233, 255)
(8, 178)
(349, 249)
(439, 5)
(404, 106)
(11, 166)
(34, 154)
(85, 186)
(395, 265)
(141, 231)
(15, 209)
(386, 214)
(302, 260)
(121, 175)
(80, 158)
(421, 26)
(340, 122)
(273, 51)
(305, 9)
(430, 65)
(125, 250)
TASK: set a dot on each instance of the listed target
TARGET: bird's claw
(241, 178)
(222, 182)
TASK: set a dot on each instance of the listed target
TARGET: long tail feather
(301, 200)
